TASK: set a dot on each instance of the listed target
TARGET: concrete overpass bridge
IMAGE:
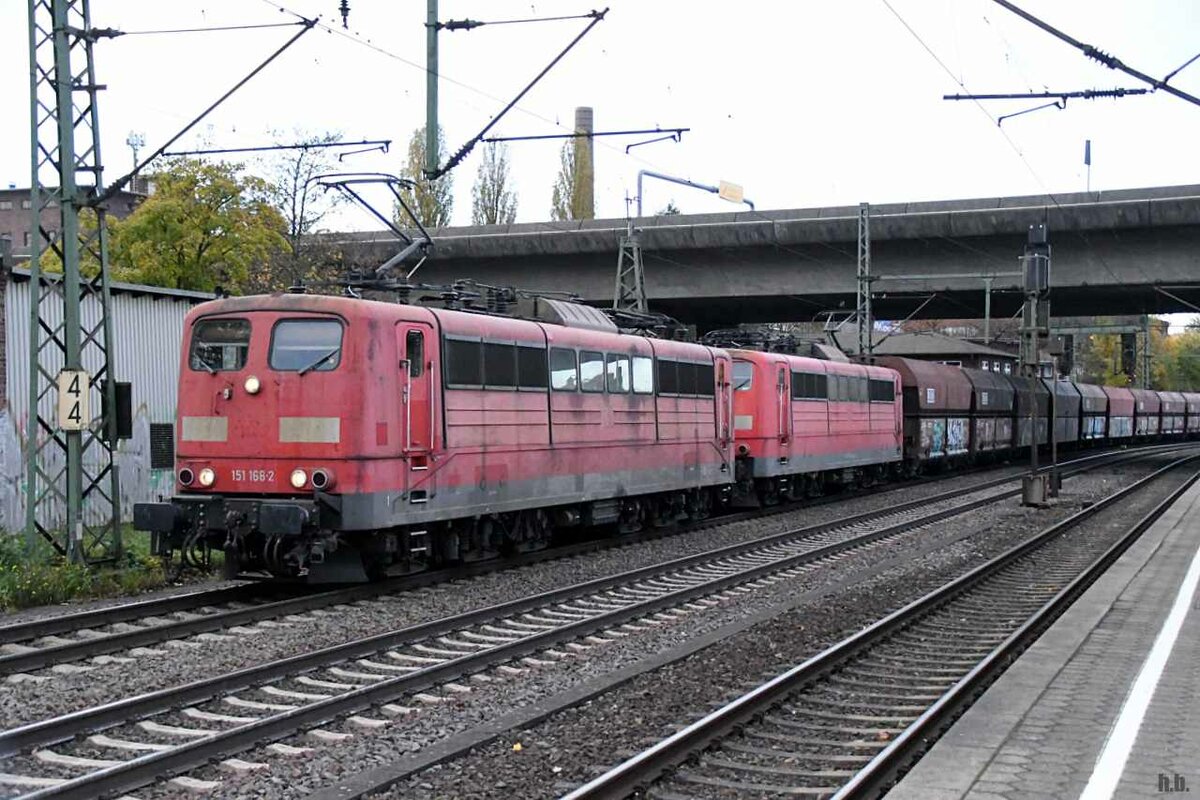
(1120, 252)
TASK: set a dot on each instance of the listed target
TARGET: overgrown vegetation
(45, 578)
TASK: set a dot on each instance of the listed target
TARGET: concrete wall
(148, 329)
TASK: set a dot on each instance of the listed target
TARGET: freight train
(339, 439)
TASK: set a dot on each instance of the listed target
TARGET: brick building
(15, 214)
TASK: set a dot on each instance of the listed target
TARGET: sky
(802, 103)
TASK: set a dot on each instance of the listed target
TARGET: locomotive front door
(416, 365)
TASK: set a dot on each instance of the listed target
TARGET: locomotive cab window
(306, 345)
(219, 344)
(743, 376)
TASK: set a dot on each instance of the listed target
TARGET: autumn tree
(304, 206)
(492, 201)
(571, 198)
(205, 225)
(431, 201)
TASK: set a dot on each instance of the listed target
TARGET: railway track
(59, 641)
(846, 722)
(131, 742)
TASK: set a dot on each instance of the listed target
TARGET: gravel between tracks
(857, 590)
(29, 701)
(568, 748)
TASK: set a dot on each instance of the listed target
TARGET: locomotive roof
(463, 323)
(817, 365)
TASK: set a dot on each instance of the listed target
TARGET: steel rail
(648, 765)
(139, 771)
(49, 731)
(42, 657)
(67, 623)
(73, 622)
(885, 765)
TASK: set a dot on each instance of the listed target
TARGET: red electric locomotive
(801, 422)
(337, 438)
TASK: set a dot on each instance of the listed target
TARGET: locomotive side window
(882, 391)
(531, 367)
(618, 374)
(564, 376)
(414, 348)
(743, 377)
(219, 344)
(499, 366)
(687, 378)
(304, 345)
(464, 363)
(668, 376)
(705, 380)
(643, 375)
(809, 386)
(591, 371)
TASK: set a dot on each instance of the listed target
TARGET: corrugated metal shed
(147, 329)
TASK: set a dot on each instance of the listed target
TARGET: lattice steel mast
(630, 290)
(72, 491)
(862, 309)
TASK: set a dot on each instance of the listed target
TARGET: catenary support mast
(72, 495)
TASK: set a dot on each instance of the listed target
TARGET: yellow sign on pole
(73, 400)
(730, 191)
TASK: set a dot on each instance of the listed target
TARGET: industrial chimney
(584, 190)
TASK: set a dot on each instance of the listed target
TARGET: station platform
(1106, 704)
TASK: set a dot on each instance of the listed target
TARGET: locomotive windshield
(304, 345)
(219, 344)
(743, 376)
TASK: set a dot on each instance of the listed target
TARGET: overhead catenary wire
(471, 24)
(384, 143)
(306, 25)
(1015, 148)
(1095, 53)
(214, 29)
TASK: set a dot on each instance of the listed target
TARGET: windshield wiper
(320, 360)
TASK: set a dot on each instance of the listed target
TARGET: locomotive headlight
(207, 477)
(186, 476)
(252, 385)
(299, 478)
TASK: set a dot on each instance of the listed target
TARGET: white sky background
(803, 103)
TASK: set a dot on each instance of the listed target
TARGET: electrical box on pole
(72, 497)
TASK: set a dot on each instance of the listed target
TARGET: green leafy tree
(206, 225)
(671, 210)
(431, 201)
(492, 201)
